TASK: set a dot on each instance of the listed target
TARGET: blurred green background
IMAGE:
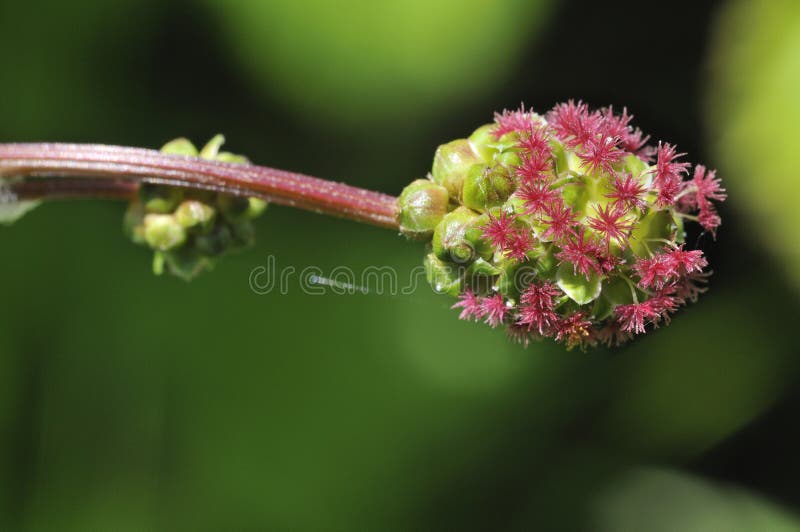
(130, 402)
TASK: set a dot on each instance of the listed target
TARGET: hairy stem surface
(90, 170)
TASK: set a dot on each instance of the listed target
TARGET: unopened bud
(423, 204)
(195, 214)
(451, 164)
(163, 232)
(483, 141)
(450, 242)
(444, 278)
(487, 186)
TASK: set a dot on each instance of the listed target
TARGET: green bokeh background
(130, 402)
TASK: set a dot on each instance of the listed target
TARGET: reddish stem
(114, 172)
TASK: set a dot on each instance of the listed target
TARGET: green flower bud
(450, 242)
(451, 164)
(163, 232)
(487, 186)
(195, 214)
(180, 146)
(159, 199)
(444, 278)
(579, 289)
(423, 204)
(483, 141)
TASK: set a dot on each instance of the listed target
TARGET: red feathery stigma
(687, 262)
(627, 192)
(669, 173)
(690, 288)
(513, 121)
(536, 309)
(709, 218)
(655, 272)
(573, 329)
(631, 139)
(559, 220)
(519, 244)
(663, 268)
(608, 262)
(582, 254)
(536, 196)
(470, 306)
(632, 317)
(495, 309)
(610, 222)
(499, 230)
(536, 140)
(534, 167)
(573, 123)
(703, 187)
(601, 154)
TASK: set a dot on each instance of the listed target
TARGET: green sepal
(653, 225)
(615, 291)
(579, 289)
(444, 278)
(449, 238)
(514, 275)
(483, 268)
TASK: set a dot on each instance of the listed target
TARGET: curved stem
(90, 170)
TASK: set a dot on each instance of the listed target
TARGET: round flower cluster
(189, 229)
(567, 225)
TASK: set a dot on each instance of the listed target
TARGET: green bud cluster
(189, 229)
(565, 228)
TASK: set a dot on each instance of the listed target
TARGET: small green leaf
(580, 289)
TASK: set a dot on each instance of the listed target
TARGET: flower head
(574, 203)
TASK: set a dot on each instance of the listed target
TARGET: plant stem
(90, 170)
